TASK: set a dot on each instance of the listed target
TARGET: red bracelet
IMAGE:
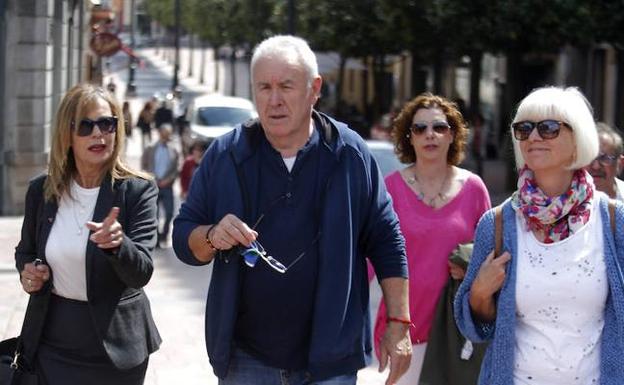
(400, 320)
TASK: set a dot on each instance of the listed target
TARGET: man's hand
(231, 231)
(396, 346)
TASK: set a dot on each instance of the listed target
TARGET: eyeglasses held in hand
(547, 129)
(251, 254)
(606, 159)
(106, 124)
(439, 127)
(256, 250)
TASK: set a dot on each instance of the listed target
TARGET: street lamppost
(131, 89)
(291, 17)
(176, 66)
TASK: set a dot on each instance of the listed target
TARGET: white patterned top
(561, 292)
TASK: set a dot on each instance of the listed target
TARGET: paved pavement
(177, 292)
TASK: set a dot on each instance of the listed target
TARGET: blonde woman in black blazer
(91, 221)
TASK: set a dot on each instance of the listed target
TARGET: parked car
(214, 115)
(383, 152)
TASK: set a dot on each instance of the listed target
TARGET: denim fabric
(165, 198)
(246, 370)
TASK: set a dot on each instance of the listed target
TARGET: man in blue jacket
(288, 206)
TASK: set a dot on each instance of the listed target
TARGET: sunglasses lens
(440, 127)
(522, 130)
(107, 125)
(419, 128)
(548, 129)
(85, 128)
(251, 257)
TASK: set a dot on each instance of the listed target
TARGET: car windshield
(222, 116)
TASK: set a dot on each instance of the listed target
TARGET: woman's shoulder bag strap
(498, 230)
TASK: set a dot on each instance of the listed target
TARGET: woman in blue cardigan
(552, 304)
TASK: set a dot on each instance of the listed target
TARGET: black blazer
(119, 307)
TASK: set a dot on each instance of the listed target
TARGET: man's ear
(317, 82)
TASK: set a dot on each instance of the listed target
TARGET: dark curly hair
(401, 127)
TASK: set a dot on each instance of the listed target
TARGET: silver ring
(29, 281)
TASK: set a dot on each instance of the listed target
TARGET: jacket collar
(246, 136)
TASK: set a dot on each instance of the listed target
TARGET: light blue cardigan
(497, 366)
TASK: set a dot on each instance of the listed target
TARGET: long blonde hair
(76, 104)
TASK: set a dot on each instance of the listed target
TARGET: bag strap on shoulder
(498, 230)
(612, 215)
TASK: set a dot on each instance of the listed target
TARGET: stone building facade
(43, 52)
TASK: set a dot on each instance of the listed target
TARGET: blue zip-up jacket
(356, 220)
(497, 366)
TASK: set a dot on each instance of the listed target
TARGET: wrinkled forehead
(607, 143)
(272, 65)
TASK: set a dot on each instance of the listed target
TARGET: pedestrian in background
(162, 160)
(191, 162)
(164, 113)
(430, 194)
(91, 222)
(552, 304)
(146, 117)
(127, 118)
(608, 164)
(179, 109)
(287, 206)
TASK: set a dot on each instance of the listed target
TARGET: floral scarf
(557, 217)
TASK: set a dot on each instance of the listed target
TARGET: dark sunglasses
(606, 159)
(547, 129)
(106, 124)
(439, 127)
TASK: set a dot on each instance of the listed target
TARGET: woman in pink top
(438, 204)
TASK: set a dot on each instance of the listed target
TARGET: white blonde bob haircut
(568, 105)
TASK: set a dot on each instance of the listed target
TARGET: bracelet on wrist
(208, 241)
(400, 320)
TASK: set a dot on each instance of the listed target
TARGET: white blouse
(67, 243)
(561, 292)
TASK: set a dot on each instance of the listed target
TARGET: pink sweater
(430, 236)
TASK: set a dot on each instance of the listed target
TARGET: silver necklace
(412, 180)
(78, 218)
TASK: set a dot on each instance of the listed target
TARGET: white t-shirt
(290, 162)
(561, 291)
(67, 243)
(619, 189)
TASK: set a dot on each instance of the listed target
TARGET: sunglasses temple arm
(257, 222)
(318, 236)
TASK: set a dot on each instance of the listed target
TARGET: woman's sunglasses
(106, 124)
(547, 129)
(439, 127)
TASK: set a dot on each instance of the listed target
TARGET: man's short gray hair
(290, 48)
(604, 128)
